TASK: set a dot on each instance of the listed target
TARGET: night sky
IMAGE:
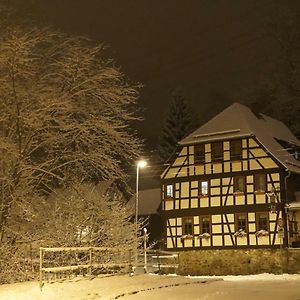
(209, 49)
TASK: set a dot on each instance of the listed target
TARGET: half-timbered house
(232, 184)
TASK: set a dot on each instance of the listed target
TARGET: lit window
(236, 149)
(241, 222)
(187, 226)
(169, 190)
(262, 221)
(205, 224)
(204, 188)
(217, 151)
(239, 184)
(199, 153)
(260, 182)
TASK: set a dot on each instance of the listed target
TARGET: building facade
(233, 184)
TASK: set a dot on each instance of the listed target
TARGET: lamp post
(140, 164)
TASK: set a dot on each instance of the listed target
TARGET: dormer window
(217, 151)
(199, 153)
(236, 150)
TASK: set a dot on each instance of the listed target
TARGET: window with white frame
(169, 190)
(203, 188)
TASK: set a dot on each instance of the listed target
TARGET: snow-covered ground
(155, 287)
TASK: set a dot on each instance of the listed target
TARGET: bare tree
(64, 116)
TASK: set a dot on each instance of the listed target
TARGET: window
(262, 221)
(241, 222)
(169, 190)
(187, 226)
(260, 183)
(199, 154)
(203, 188)
(205, 224)
(236, 149)
(217, 151)
(239, 184)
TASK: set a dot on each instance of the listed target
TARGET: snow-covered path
(155, 287)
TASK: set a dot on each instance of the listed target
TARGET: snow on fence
(65, 262)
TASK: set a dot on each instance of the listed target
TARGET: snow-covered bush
(204, 235)
(240, 233)
(261, 233)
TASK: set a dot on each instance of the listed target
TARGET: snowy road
(155, 287)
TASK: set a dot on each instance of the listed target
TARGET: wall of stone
(239, 261)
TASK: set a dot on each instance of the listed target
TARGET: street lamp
(140, 164)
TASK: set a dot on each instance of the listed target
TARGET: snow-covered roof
(238, 120)
(149, 201)
(293, 206)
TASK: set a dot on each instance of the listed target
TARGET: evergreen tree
(177, 125)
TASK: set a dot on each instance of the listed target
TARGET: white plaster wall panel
(207, 148)
(183, 151)
(179, 231)
(275, 176)
(250, 188)
(194, 184)
(217, 168)
(226, 167)
(179, 221)
(268, 163)
(236, 166)
(252, 227)
(260, 198)
(171, 172)
(179, 243)
(172, 222)
(250, 199)
(196, 220)
(225, 181)
(194, 193)
(272, 226)
(230, 217)
(225, 228)
(199, 169)
(252, 143)
(169, 204)
(278, 241)
(244, 154)
(216, 218)
(176, 204)
(177, 185)
(217, 229)
(183, 172)
(192, 170)
(177, 196)
(196, 230)
(191, 149)
(240, 200)
(208, 168)
(207, 157)
(250, 179)
(179, 161)
(194, 203)
(230, 200)
(215, 191)
(258, 152)
(242, 241)
(197, 242)
(226, 156)
(232, 229)
(252, 239)
(254, 165)
(251, 216)
(263, 240)
(173, 231)
(217, 240)
(188, 243)
(203, 202)
(184, 203)
(205, 242)
(227, 240)
(244, 143)
(272, 216)
(215, 182)
(185, 188)
(215, 201)
(169, 243)
(245, 166)
(226, 145)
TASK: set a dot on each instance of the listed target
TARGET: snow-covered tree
(64, 117)
(178, 123)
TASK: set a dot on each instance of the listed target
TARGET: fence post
(90, 262)
(41, 268)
